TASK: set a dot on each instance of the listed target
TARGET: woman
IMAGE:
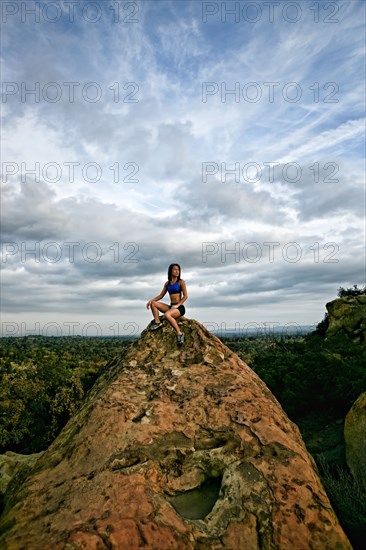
(178, 294)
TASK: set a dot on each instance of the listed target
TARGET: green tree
(352, 291)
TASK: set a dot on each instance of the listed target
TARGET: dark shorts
(181, 309)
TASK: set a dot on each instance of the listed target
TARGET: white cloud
(163, 139)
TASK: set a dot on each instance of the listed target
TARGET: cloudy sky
(227, 137)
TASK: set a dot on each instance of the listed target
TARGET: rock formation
(355, 439)
(12, 464)
(175, 448)
(347, 315)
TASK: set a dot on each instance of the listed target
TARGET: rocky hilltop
(175, 448)
(347, 315)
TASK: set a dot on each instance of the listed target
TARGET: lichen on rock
(355, 439)
(15, 464)
(175, 448)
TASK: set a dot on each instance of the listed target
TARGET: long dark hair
(170, 269)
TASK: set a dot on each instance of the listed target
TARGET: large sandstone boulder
(348, 316)
(355, 439)
(175, 448)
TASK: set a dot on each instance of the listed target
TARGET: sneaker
(155, 326)
(180, 338)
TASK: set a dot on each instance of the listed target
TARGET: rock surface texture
(355, 439)
(13, 464)
(174, 448)
(348, 315)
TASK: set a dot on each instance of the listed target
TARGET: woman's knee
(172, 314)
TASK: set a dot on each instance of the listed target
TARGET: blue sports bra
(175, 288)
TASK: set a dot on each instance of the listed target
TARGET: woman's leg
(156, 307)
(171, 316)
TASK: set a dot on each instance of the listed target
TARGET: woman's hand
(148, 304)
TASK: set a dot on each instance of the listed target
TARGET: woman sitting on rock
(178, 294)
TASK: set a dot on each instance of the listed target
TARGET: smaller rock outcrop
(12, 464)
(355, 439)
(348, 316)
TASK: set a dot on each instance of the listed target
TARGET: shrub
(348, 498)
(352, 291)
(322, 327)
(43, 381)
(313, 375)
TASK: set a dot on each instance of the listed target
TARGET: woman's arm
(161, 295)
